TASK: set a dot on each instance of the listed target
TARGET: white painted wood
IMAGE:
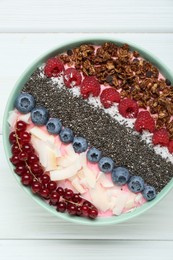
(85, 249)
(86, 16)
(17, 51)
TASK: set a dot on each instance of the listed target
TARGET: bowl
(9, 106)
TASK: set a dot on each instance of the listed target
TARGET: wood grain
(86, 16)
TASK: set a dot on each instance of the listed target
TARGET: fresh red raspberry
(161, 136)
(72, 78)
(53, 67)
(109, 96)
(170, 146)
(144, 121)
(90, 85)
(128, 108)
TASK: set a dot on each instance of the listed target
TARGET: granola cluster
(127, 72)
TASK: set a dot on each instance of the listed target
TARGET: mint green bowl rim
(9, 106)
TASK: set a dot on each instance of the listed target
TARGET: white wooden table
(28, 28)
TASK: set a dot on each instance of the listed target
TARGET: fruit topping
(80, 144)
(72, 78)
(120, 175)
(39, 115)
(90, 86)
(144, 121)
(93, 155)
(54, 126)
(149, 193)
(66, 135)
(53, 67)
(109, 96)
(136, 184)
(128, 108)
(161, 136)
(106, 164)
(24, 103)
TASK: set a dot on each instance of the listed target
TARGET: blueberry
(120, 175)
(80, 144)
(24, 103)
(106, 164)
(93, 155)
(39, 115)
(149, 193)
(54, 126)
(66, 135)
(136, 184)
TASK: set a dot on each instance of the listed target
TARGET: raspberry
(144, 121)
(72, 78)
(170, 146)
(128, 108)
(90, 85)
(161, 137)
(109, 96)
(53, 67)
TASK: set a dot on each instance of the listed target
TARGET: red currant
(23, 156)
(36, 187)
(25, 137)
(85, 210)
(79, 211)
(71, 209)
(60, 190)
(20, 169)
(12, 138)
(68, 194)
(44, 193)
(32, 158)
(45, 178)
(93, 213)
(26, 179)
(15, 149)
(54, 197)
(15, 159)
(76, 198)
(87, 203)
(36, 169)
(52, 185)
(28, 148)
(61, 206)
(21, 126)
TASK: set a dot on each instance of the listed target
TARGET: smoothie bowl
(88, 131)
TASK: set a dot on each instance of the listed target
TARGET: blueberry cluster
(25, 103)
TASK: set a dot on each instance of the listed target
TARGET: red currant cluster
(28, 167)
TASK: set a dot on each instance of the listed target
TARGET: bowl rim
(17, 87)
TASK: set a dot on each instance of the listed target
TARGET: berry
(25, 137)
(149, 193)
(20, 169)
(15, 149)
(85, 210)
(60, 190)
(109, 96)
(68, 194)
(136, 184)
(79, 211)
(90, 85)
(92, 213)
(170, 146)
(76, 198)
(80, 144)
(24, 103)
(15, 159)
(45, 179)
(54, 197)
(45, 193)
(72, 209)
(54, 126)
(66, 135)
(23, 156)
(21, 126)
(28, 148)
(72, 78)
(36, 169)
(52, 185)
(32, 158)
(26, 179)
(39, 115)
(161, 136)
(93, 155)
(87, 203)
(53, 67)
(144, 121)
(128, 108)
(36, 187)
(12, 137)
(61, 206)
(120, 175)
(106, 164)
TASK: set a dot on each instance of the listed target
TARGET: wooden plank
(86, 16)
(85, 249)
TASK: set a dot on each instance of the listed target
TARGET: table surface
(28, 28)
